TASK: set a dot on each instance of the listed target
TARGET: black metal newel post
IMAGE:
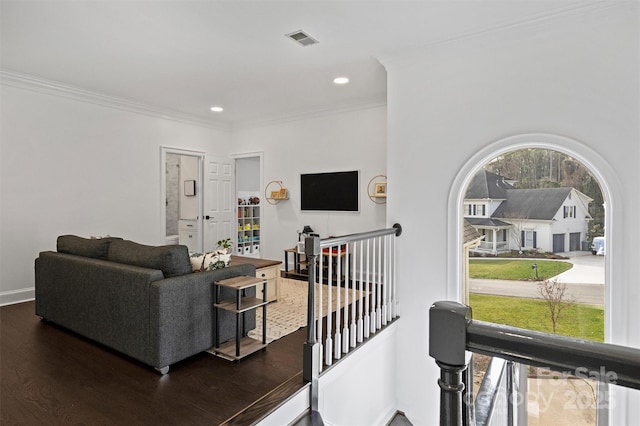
(447, 343)
(311, 354)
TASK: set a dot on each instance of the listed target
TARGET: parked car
(597, 246)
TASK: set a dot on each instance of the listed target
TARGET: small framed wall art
(189, 188)
(377, 189)
(380, 189)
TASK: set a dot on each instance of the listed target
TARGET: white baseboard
(17, 296)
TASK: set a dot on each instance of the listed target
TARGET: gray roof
(470, 233)
(540, 204)
(487, 222)
(486, 184)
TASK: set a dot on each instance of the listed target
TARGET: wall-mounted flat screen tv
(337, 191)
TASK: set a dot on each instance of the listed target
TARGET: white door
(218, 204)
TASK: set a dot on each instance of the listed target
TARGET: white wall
(342, 399)
(248, 176)
(72, 167)
(577, 77)
(353, 140)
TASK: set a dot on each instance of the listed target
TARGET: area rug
(289, 312)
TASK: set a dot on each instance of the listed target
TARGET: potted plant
(224, 252)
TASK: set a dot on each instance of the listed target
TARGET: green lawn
(510, 269)
(581, 321)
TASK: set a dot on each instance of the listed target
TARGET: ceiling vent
(302, 38)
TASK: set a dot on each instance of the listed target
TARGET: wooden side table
(265, 268)
(242, 346)
(299, 260)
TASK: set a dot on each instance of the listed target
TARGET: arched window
(532, 213)
(530, 246)
(522, 234)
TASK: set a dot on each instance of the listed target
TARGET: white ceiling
(186, 56)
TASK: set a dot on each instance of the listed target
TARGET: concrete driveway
(587, 269)
(585, 281)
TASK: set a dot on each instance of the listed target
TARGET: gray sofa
(143, 301)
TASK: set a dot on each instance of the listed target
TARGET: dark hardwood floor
(50, 376)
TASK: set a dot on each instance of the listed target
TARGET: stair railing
(351, 295)
(452, 333)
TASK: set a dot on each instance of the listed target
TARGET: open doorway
(182, 195)
(249, 184)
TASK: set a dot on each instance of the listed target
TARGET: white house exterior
(544, 219)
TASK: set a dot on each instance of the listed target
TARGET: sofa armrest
(182, 314)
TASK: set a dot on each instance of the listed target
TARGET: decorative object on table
(224, 245)
(209, 261)
(274, 192)
(306, 232)
(377, 189)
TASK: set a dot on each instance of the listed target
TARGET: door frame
(164, 150)
(239, 156)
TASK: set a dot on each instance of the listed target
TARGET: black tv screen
(336, 191)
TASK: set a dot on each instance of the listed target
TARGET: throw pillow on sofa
(172, 260)
(209, 261)
(97, 248)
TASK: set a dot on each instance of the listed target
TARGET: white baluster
(329, 344)
(379, 282)
(353, 329)
(345, 329)
(320, 310)
(385, 281)
(360, 301)
(367, 318)
(374, 287)
(394, 305)
(337, 338)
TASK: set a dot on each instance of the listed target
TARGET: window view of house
(512, 218)
(532, 218)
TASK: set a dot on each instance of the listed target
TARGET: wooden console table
(265, 268)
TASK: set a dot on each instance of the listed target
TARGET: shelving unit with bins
(248, 230)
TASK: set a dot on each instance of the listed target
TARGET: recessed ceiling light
(217, 109)
(341, 80)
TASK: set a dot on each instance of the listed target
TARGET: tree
(553, 292)
(544, 168)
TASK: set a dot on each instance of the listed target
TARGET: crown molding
(28, 82)
(540, 21)
(323, 111)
